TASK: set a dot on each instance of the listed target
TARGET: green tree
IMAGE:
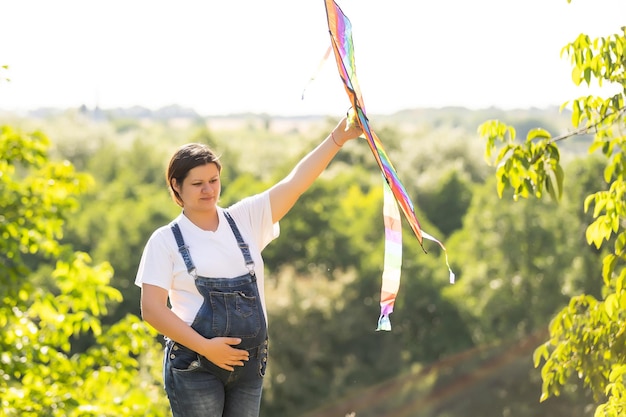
(588, 336)
(519, 262)
(446, 202)
(53, 296)
(128, 202)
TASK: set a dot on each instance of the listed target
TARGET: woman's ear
(174, 185)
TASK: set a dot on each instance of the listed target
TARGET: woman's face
(201, 188)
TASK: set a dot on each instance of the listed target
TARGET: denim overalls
(231, 308)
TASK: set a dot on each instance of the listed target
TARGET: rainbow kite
(394, 192)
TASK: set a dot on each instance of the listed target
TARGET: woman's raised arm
(285, 193)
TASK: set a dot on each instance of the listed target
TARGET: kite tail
(319, 68)
(429, 237)
(393, 258)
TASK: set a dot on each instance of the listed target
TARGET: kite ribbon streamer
(393, 258)
(340, 30)
(319, 68)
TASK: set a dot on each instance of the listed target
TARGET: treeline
(517, 263)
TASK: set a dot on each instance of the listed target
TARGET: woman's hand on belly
(221, 352)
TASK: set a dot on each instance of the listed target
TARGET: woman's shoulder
(250, 204)
(165, 233)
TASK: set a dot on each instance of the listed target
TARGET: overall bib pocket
(235, 314)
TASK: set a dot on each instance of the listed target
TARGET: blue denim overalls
(231, 308)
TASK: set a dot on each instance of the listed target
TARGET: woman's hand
(218, 350)
(221, 352)
(342, 134)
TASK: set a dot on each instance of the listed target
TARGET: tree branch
(587, 129)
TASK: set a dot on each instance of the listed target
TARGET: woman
(207, 265)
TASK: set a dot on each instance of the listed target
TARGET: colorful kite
(394, 192)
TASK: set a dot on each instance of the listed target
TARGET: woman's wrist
(332, 137)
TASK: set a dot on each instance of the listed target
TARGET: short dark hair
(184, 160)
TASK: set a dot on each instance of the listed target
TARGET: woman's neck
(207, 221)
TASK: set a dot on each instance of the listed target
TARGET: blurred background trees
(516, 263)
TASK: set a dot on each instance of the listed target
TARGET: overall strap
(184, 250)
(243, 246)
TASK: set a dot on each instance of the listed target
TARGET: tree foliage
(52, 296)
(588, 336)
(325, 270)
(323, 280)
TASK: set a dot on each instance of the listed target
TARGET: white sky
(229, 56)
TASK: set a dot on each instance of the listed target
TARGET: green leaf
(588, 200)
(617, 373)
(550, 188)
(540, 353)
(595, 234)
(538, 133)
(576, 76)
(610, 305)
(609, 171)
(608, 265)
(560, 178)
(620, 243)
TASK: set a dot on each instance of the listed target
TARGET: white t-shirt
(214, 254)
